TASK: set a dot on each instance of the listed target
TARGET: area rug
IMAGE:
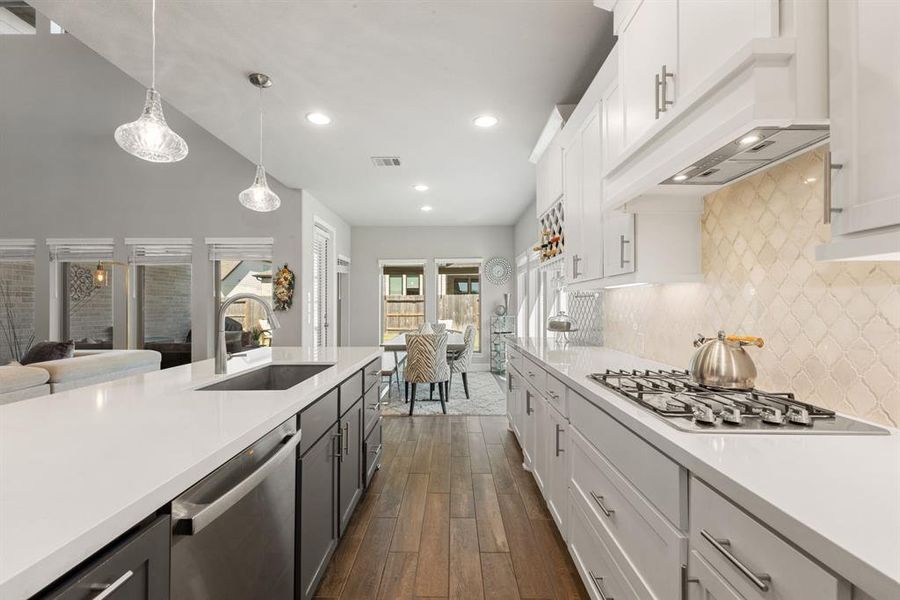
(488, 397)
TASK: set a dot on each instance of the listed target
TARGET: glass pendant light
(149, 137)
(258, 196)
(101, 276)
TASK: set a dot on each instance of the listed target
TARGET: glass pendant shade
(101, 276)
(149, 137)
(258, 196)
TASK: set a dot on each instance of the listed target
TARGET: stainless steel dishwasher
(233, 532)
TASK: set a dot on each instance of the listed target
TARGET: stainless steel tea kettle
(722, 361)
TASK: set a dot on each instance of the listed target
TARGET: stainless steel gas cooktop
(691, 407)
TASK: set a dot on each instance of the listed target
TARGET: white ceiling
(399, 78)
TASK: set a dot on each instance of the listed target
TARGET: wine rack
(552, 241)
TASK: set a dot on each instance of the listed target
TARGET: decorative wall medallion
(283, 289)
(498, 270)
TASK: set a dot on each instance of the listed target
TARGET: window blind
(321, 250)
(166, 251)
(343, 264)
(240, 248)
(17, 250)
(80, 250)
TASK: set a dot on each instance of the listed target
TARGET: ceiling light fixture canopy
(317, 118)
(150, 137)
(485, 121)
(259, 196)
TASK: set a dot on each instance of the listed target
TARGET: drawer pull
(598, 584)
(599, 500)
(531, 374)
(553, 395)
(376, 449)
(373, 373)
(106, 589)
(760, 580)
(558, 449)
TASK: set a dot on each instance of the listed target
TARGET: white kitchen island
(79, 468)
(812, 509)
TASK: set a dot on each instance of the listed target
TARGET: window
(87, 309)
(243, 266)
(321, 285)
(16, 298)
(459, 297)
(402, 299)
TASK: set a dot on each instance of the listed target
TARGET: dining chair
(426, 362)
(460, 363)
(435, 327)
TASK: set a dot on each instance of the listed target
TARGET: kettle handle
(746, 340)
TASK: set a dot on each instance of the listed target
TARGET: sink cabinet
(134, 568)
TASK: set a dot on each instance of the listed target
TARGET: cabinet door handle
(829, 168)
(656, 87)
(599, 500)
(527, 402)
(558, 431)
(345, 438)
(664, 102)
(107, 589)
(622, 242)
(339, 436)
(575, 260)
(760, 580)
(598, 585)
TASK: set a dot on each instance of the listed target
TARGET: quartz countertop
(835, 496)
(79, 468)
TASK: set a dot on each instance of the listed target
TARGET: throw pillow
(44, 351)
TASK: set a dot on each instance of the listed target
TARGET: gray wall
(526, 229)
(371, 244)
(63, 175)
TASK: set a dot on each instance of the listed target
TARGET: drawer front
(657, 477)
(556, 394)
(602, 577)
(318, 418)
(136, 568)
(755, 561)
(351, 391)
(514, 357)
(371, 408)
(374, 450)
(372, 373)
(653, 546)
(536, 376)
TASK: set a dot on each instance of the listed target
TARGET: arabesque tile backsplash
(832, 330)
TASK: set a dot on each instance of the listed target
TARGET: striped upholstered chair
(460, 363)
(426, 362)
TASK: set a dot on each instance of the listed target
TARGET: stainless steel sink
(271, 377)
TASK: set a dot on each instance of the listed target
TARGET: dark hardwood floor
(451, 514)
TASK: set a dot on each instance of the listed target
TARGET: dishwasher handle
(191, 518)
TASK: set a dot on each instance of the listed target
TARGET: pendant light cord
(260, 126)
(153, 51)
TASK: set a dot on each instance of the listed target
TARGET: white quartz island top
(835, 496)
(79, 468)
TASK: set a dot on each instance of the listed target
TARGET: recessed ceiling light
(749, 139)
(420, 187)
(681, 177)
(809, 180)
(485, 121)
(426, 208)
(317, 118)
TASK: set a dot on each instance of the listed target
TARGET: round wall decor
(498, 270)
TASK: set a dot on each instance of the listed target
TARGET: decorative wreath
(283, 290)
(498, 270)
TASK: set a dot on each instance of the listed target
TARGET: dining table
(455, 343)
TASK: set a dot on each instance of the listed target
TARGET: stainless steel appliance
(233, 532)
(673, 396)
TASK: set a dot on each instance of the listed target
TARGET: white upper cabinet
(613, 126)
(864, 92)
(584, 200)
(648, 54)
(709, 33)
(547, 157)
(572, 161)
(618, 243)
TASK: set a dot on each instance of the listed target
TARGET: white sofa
(85, 368)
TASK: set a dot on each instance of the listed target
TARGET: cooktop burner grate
(672, 394)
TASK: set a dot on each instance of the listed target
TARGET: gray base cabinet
(350, 463)
(317, 489)
(135, 568)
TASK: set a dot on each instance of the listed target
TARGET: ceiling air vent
(386, 161)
